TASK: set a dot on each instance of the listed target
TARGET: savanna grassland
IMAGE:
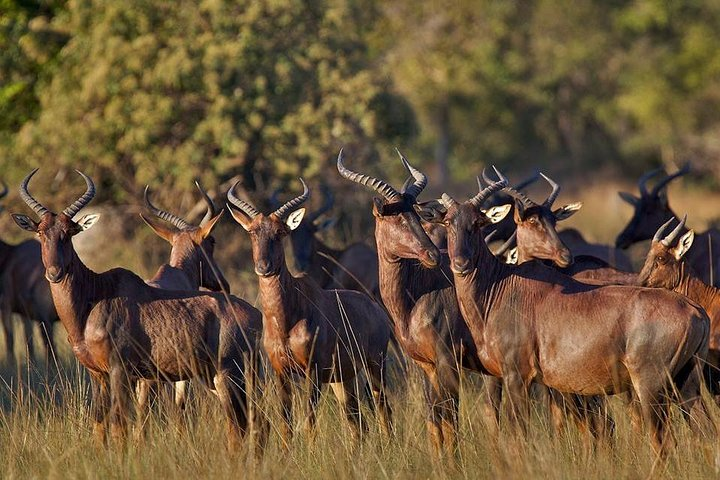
(45, 428)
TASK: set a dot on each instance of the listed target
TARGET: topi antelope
(421, 301)
(326, 336)
(652, 209)
(532, 323)
(666, 267)
(122, 330)
(24, 291)
(351, 268)
(191, 264)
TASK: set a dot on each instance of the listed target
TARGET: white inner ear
(496, 214)
(88, 221)
(512, 256)
(294, 219)
(684, 244)
(568, 210)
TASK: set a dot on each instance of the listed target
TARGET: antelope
(26, 293)
(122, 330)
(352, 268)
(421, 301)
(652, 209)
(538, 239)
(325, 336)
(191, 264)
(531, 323)
(666, 267)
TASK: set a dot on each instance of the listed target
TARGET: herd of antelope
(542, 308)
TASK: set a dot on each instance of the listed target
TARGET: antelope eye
(662, 259)
(532, 220)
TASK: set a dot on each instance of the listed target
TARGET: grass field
(45, 433)
(45, 429)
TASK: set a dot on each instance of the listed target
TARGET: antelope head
(464, 223)
(536, 223)
(54, 231)
(651, 208)
(303, 239)
(188, 241)
(663, 264)
(398, 231)
(267, 231)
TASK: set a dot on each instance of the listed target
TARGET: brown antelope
(652, 209)
(191, 264)
(421, 301)
(122, 330)
(531, 323)
(665, 267)
(351, 268)
(24, 291)
(326, 336)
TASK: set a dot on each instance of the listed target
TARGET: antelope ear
(684, 244)
(519, 214)
(240, 218)
(629, 198)
(511, 257)
(207, 228)
(567, 211)
(496, 214)
(161, 231)
(25, 222)
(432, 211)
(378, 207)
(294, 219)
(88, 221)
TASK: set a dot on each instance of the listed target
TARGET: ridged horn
(244, 206)
(37, 207)
(642, 181)
(383, 188)
(86, 197)
(493, 186)
(291, 205)
(211, 210)
(670, 239)
(420, 179)
(162, 214)
(521, 197)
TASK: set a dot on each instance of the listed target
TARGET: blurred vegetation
(162, 92)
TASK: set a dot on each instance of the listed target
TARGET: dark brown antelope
(531, 323)
(122, 330)
(652, 209)
(350, 268)
(665, 267)
(421, 301)
(25, 292)
(326, 336)
(191, 266)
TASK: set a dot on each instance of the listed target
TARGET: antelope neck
(189, 262)
(695, 289)
(281, 306)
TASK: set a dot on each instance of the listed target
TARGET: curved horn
(291, 205)
(4, 192)
(162, 214)
(420, 179)
(328, 202)
(86, 197)
(661, 231)
(667, 241)
(684, 170)
(493, 186)
(642, 181)
(379, 186)
(211, 210)
(555, 191)
(447, 201)
(244, 206)
(530, 180)
(512, 192)
(37, 207)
